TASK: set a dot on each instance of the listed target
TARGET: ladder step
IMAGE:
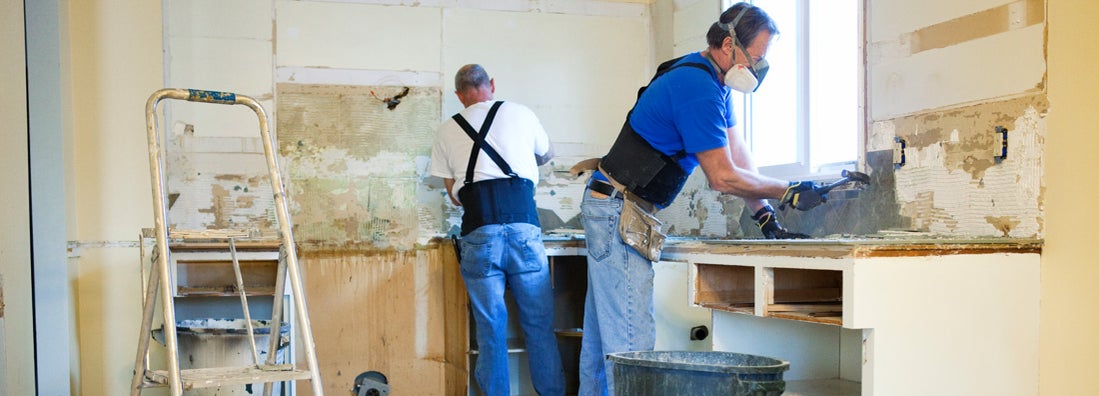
(226, 376)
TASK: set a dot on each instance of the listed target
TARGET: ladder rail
(276, 319)
(282, 212)
(142, 359)
(160, 227)
(244, 302)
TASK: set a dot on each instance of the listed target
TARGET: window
(806, 117)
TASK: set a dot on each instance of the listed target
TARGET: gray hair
(470, 76)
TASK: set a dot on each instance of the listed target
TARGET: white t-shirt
(516, 134)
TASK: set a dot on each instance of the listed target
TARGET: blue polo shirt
(685, 109)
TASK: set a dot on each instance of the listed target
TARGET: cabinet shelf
(808, 295)
(515, 345)
(577, 332)
(226, 291)
(744, 308)
(826, 313)
(198, 276)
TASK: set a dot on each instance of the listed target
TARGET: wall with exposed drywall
(336, 63)
(935, 81)
(362, 204)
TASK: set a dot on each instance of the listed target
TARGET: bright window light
(805, 118)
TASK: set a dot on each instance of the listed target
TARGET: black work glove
(803, 195)
(768, 225)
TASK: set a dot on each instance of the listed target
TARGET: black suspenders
(494, 201)
(479, 143)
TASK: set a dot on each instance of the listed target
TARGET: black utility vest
(494, 201)
(645, 171)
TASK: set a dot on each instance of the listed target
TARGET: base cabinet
(873, 320)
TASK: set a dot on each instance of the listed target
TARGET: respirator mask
(743, 78)
(746, 79)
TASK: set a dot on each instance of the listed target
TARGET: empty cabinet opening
(807, 295)
(725, 287)
(217, 278)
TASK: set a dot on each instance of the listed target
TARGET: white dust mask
(741, 79)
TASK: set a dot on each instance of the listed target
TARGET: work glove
(769, 226)
(803, 195)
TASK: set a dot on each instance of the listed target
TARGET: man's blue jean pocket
(493, 249)
(600, 219)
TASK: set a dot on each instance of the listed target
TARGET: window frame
(801, 167)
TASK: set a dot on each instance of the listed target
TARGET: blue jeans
(496, 257)
(618, 309)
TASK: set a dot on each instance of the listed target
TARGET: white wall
(115, 55)
(675, 316)
(16, 332)
(601, 49)
(1070, 275)
(691, 22)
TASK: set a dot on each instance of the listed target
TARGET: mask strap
(713, 63)
(731, 26)
(731, 29)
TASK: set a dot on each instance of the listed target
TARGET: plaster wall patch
(881, 136)
(951, 188)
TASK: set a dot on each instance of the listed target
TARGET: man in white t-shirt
(493, 149)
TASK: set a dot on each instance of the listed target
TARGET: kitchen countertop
(884, 244)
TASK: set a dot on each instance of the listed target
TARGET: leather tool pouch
(641, 230)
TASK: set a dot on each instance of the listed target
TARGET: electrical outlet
(999, 151)
(898, 152)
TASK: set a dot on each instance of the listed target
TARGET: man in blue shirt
(682, 120)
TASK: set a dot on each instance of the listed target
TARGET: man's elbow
(544, 158)
(726, 182)
(721, 185)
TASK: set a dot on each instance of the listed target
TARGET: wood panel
(401, 313)
(724, 284)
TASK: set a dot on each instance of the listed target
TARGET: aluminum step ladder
(159, 278)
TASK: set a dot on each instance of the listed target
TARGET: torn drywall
(356, 158)
(953, 183)
(218, 183)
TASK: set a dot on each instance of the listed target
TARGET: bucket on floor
(697, 373)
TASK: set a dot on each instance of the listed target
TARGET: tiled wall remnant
(355, 168)
(952, 183)
(359, 174)
(218, 183)
(849, 212)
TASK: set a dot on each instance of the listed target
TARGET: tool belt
(637, 224)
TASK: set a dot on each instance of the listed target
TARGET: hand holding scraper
(805, 195)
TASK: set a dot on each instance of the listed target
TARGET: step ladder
(160, 275)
